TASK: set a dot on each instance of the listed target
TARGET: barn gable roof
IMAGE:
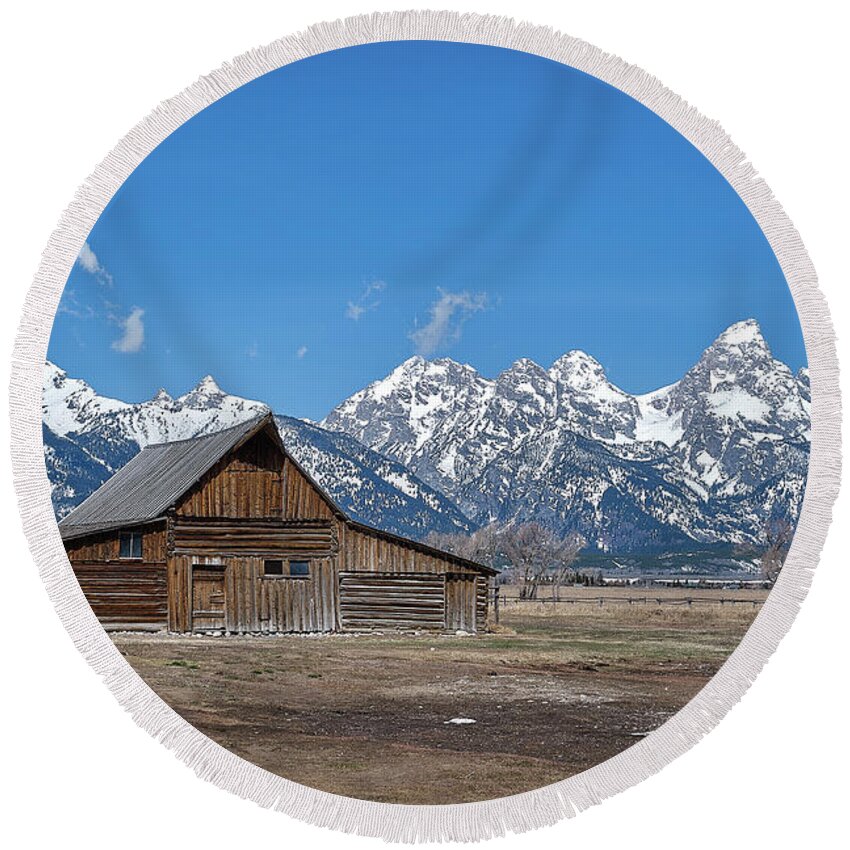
(159, 475)
(144, 488)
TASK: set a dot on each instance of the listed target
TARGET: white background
(77, 76)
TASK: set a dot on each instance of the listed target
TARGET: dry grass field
(555, 689)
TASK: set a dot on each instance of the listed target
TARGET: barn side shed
(228, 533)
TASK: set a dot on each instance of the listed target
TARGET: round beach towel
(426, 425)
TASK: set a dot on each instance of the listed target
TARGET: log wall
(376, 600)
(124, 595)
(104, 548)
(311, 539)
(125, 592)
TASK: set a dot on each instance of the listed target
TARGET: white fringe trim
(469, 821)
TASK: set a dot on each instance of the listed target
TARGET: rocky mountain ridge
(436, 446)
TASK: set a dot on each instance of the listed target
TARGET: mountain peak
(409, 370)
(448, 363)
(207, 386)
(524, 365)
(412, 362)
(162, 395)
(746, 332)
(206, 394)
(577, 357)
(523, 373)
(578, 364)
(418, 367)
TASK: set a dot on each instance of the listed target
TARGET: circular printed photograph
(426, 422)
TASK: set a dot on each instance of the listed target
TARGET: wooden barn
(228, 533)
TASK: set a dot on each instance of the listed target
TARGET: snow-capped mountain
(71, 406)
(742, 414)
(710, 457)
(88, 437)
(373, 489)
(436, 446)
(73, 471)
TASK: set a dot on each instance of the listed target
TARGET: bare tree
(533, 549)
(482, 545)
(777, 536)
(566, 555)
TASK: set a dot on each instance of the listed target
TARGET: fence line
(626, 600)
(499, 600)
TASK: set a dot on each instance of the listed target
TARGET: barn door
(208, 597)
(460, 603)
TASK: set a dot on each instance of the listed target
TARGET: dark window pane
(130, 545)
(299, 568)
(273, 568)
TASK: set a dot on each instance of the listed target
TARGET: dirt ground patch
(552, 693)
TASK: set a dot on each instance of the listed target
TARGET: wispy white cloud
(447, 317)
(133, 337)
(369, 300)
(373, 287)
(87, 259)
(354, 311)
(301, 352)
(70, 305)
(253, 351)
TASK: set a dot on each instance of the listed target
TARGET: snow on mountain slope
(737, 419)
(416, 399)
(369, 487)
(745, 417)
(73, 471)
(589, 404)
(654, 423)
(87, 438)
(436, 446)
(67, 402)
(70, 406)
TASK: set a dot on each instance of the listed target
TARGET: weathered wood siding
(379, 600)
(461, 602)
(387, 583)
(125, 595)
(246, 483)
(255, 603)
(304, 538)
(104, 548)
(208, 597)
(301, 499)
(363, 550)
(123, 591)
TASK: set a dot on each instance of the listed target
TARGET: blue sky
(305, 234)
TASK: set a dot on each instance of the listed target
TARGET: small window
(130, 545)
(299, 568)
(286, 569)
(273, 568)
